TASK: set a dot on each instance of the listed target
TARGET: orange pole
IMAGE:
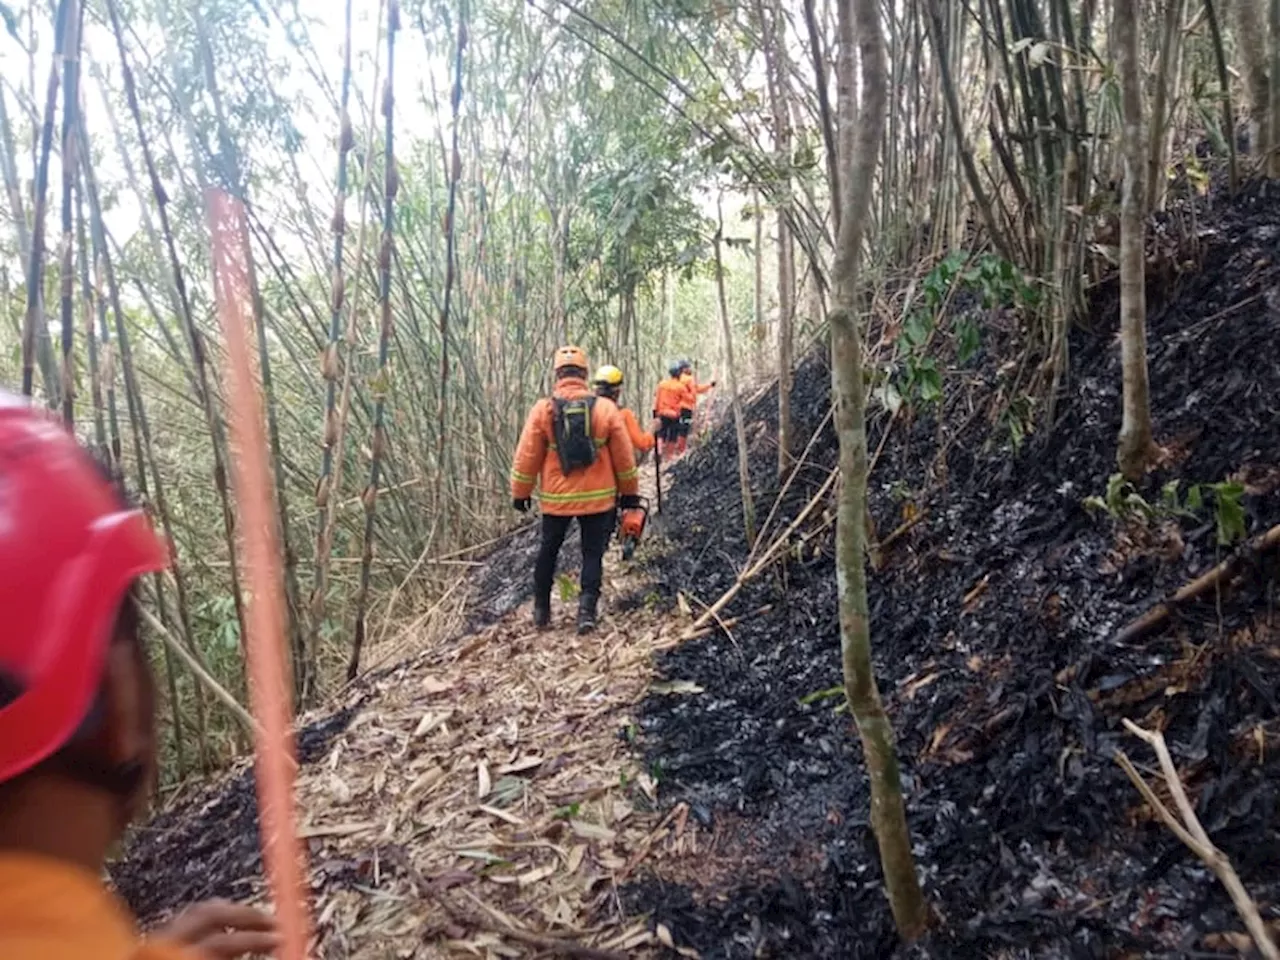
(268, 669)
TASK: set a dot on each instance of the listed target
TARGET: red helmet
(69, 551)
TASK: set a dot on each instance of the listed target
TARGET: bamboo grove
(438, 194)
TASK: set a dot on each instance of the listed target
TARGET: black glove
(713, 383)
(629, 501)
(522, 504)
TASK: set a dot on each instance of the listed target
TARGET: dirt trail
(483, 791)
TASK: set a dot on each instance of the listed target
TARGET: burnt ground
(993, 620)
(992, 623)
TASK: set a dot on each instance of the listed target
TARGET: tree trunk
(1251, 39)
(1161, 114)
(731, 380)
(1136, 445)
(1273, 118)
(933, 21)
(772, 26)
(757, 320)
(1224, 88)
(888, 816)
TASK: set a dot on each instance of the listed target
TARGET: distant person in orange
(667, 402)
(608, 383)
(575, 447)
(689, 403)
(77, 710)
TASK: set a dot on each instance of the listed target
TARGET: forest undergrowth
(709, 793)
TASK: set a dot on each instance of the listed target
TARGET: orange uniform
(692, 390)
(50, 910)
(641, 440)
(591, 490)
(669, 399)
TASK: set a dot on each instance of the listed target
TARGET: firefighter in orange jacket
(667, 402)
(689, 403)
(575, 446)
(77, 710)
(608, 383)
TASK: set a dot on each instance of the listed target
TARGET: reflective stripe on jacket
(640, 439)
(590, 490)
(669, 398)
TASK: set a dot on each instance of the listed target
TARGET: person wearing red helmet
(77, 705)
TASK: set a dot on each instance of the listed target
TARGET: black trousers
(670, 430)
(596, 528)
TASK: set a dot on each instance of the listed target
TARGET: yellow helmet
(608, 376)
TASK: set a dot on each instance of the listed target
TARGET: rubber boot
(542, 613)
(587, 613)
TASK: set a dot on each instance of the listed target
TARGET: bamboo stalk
(731, 376)
(34, 327)
(454, 175)
(195, 340)
(1224, 91)
(330, 365)
(66, 268)
(235, 175)
(1186, 827)
(144, 458)
(391, 183)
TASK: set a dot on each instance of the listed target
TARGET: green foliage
(1018, 419)
(1001, 283)
(1228, 511)
(567, 812)
(817, 696)
(567, 587)
(1122, 503)
(998, 283)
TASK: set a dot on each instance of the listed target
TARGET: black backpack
(572, 426)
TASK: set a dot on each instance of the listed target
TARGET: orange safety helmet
(69, 551)
(570, 356)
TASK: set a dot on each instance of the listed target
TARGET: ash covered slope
(992, 623)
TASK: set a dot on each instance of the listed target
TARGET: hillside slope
(508, 793)
(992, 624)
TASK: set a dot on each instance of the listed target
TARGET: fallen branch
(220, 693)
(901, 530)
(493, 924)
(766, 559)
(1192, 834)
(791, 476)
(1198, 587)
(731, 622)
